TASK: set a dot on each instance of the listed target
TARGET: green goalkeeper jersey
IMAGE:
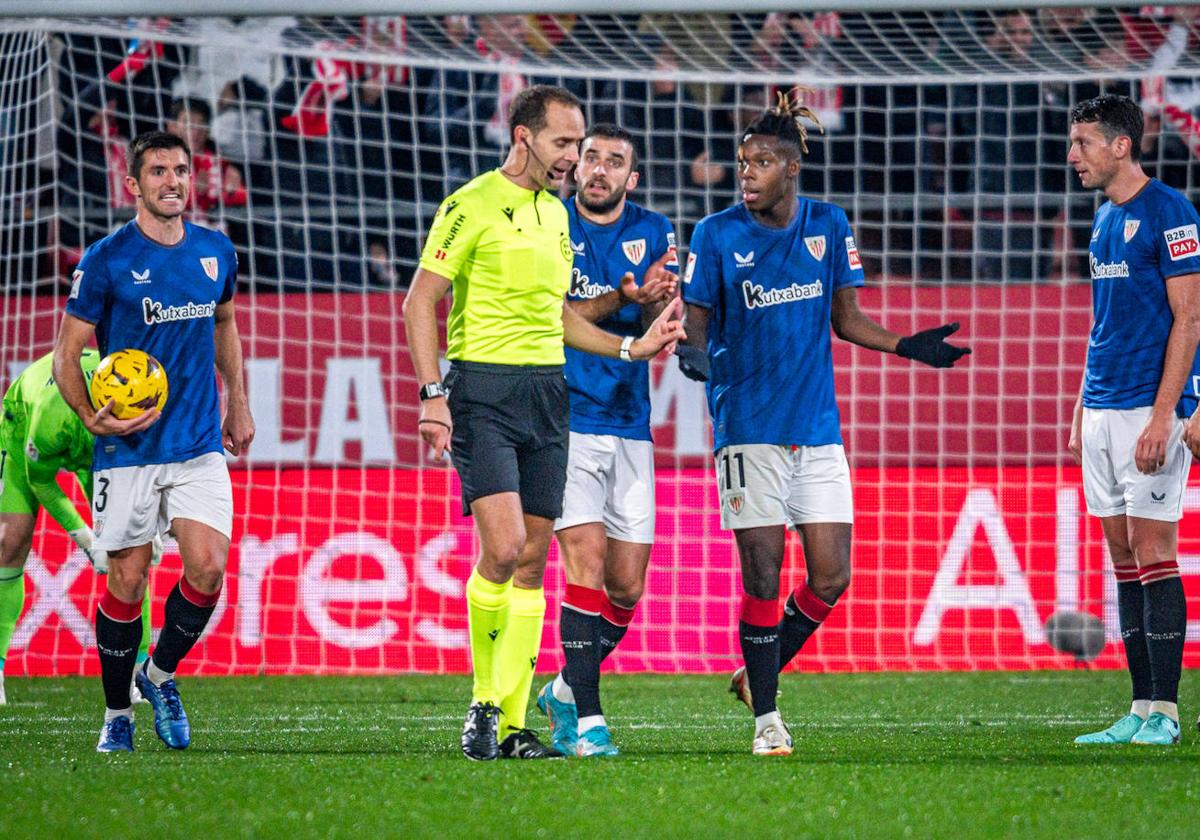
(40, 435)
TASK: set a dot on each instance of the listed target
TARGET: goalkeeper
(40, 435)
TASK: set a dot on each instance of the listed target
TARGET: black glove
(930, 347)
(693, 362)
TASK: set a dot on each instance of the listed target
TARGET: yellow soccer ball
(133, 380)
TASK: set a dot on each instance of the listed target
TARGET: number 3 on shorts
(101, 500)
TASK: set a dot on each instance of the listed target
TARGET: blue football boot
(564, 720)
(595, 742)
(170, 721)
(116, 735)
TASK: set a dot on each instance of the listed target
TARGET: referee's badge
(816, 246)
(1131, 228)
(634, 250)
(211, 267)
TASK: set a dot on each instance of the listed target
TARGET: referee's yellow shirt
(507, 253)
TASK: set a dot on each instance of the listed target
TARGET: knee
(207, 578)
(530, 575)
(205, 571)
(625, 592)
(127, 581)
(830, 585)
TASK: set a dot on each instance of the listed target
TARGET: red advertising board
(350, 571)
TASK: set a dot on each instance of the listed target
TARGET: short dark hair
(153, 140)
(1116, 115)
(612, 131)
(784, 122)
(194, 104)
(529, 107)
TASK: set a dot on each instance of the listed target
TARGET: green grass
(877, 755)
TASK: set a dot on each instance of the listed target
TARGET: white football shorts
(764, 484)
(1112, 484)
(610, 479)
(132, 504)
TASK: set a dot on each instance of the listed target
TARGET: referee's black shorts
(511, 427)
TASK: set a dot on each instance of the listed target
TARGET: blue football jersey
(770, 294)
(1135, 247)
(161, 300)
(609, 396)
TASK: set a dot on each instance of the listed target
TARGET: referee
(501, 244)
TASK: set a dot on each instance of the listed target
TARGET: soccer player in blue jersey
(606, 528)
(1130, 430)
(165, 286)
(764, 281)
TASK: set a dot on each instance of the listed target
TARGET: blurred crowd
(324, 166)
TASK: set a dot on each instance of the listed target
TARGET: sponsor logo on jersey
(439, 254)
(577, 248)
(154, 312)
(852, 254)
(1131, 228)
(144, 277)
(691, 266)
(76, 281)
(744, 260)
(674, 258)
(1095, 234)
(455, 227)
(816, 246)
(211, 267)
(564, 248)
(583, 287)
(508, 212)
(1102, 271)
(1182, 242)
(757, 297)
(634, 250)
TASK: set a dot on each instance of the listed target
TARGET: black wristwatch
(432, 389)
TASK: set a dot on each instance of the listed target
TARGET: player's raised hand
(105, 423)
(237, 429)
(1151, 451)
(657, 283)
(929, 346)
(663, 334)
(435, 425)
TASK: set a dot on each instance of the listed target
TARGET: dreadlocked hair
(784, 120)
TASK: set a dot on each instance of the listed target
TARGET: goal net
(323, 147)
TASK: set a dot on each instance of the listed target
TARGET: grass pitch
(877, 755)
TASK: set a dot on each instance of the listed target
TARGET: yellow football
(133, 380)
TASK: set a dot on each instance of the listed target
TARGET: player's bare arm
(928, 346)
(663, 334)
(73, 335)
(420, 322)
(1183, 294)
(658, 286)
(237, 428)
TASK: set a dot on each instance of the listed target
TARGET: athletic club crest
(816, 246)
(634, 250)
(737, 502)
(210, 267)
(1131, 228)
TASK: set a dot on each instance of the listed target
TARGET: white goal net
(323, 147)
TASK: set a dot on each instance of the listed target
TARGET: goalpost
(323, 148)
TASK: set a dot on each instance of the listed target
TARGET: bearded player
(606, 528)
